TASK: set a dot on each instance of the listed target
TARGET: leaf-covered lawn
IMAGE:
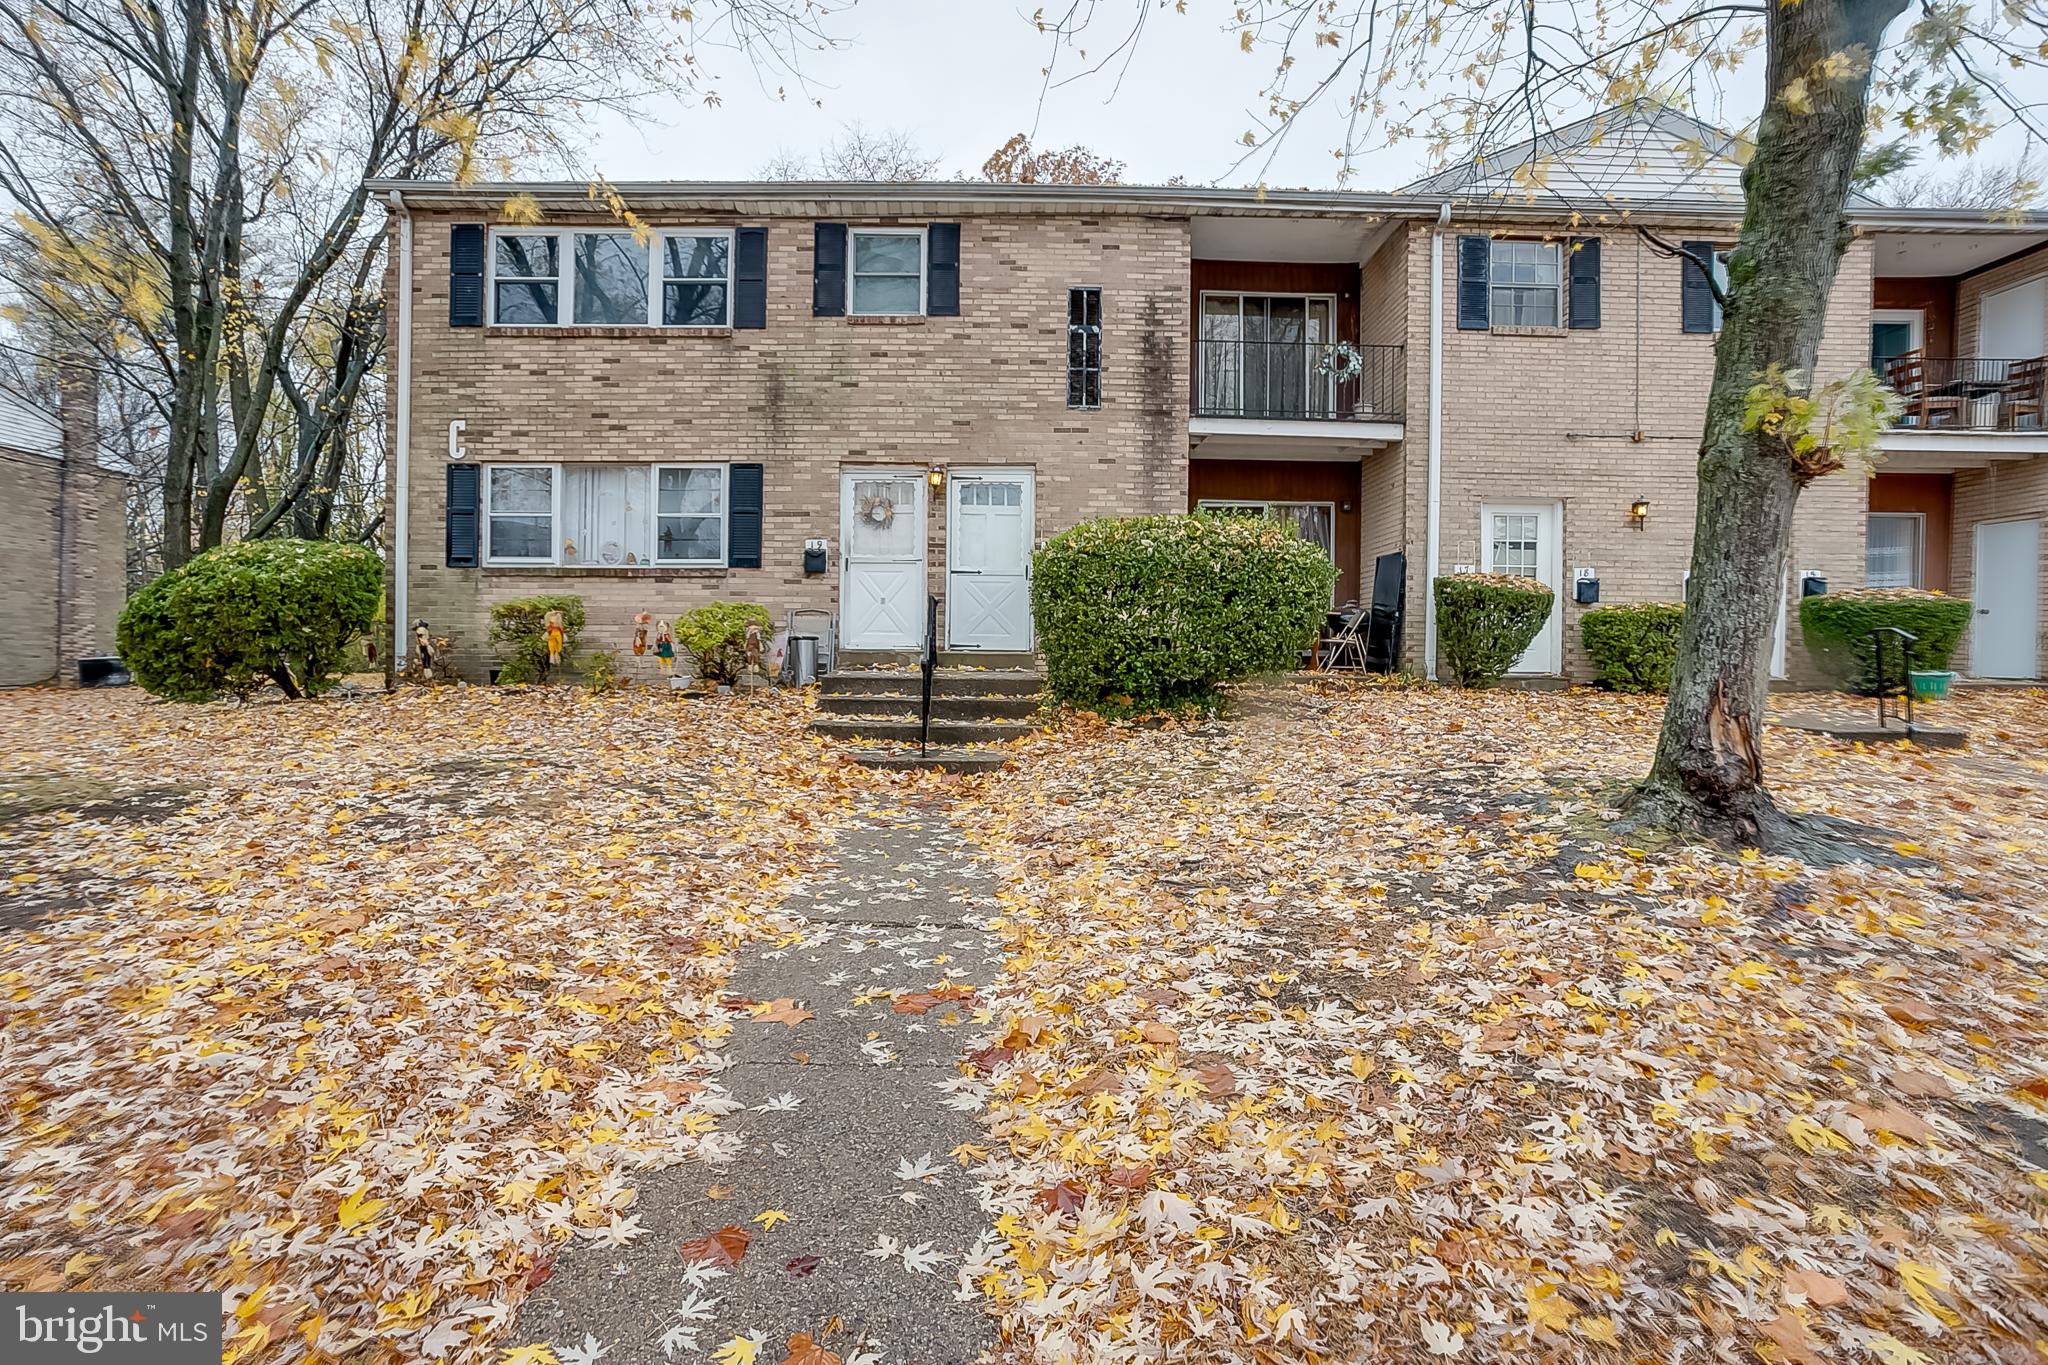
(1344, 1032)
(358, 1010)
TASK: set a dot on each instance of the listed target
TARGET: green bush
(1484, 622)
(1143, 612)
(1837, 628)
(1634, 645)
(716, 636)
(520, 627)
(241, 616)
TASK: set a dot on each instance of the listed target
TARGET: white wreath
(1342, 362)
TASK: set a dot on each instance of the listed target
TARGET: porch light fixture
(1639, 512)
(936, 477)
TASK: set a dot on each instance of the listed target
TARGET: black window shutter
(750, 278)
(942, 271)
(1475, 283)
(828, 272)
(465, 489)
(466, 275)
(1582, 309)
(743, 523)
(1696, 297)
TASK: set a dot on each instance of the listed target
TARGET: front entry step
(948, 658)
(944, 705)
(904, 729)
(956, 682)
(974, 712)
(906, 758)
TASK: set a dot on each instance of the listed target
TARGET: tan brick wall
(2007, 491)
(1592, 419)
(28, 566)
(807, 396)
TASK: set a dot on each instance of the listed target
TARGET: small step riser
(848, 684)
(906, 731)
(964, 763)
(951, 708)
(948, 658)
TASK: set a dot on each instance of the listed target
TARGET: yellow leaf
(357, 1210)
(1750, 974)
(1921, 1281)
(1813, 1137)
(768, 1218)
(536, 1354)
(1892, 1351)
(1546, 1310)
(738, 1351)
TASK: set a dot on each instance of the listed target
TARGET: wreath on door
(876, 509)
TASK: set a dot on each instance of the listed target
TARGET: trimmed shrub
(241, 616)
(520, 627)
(716, 636)
(1144, 612)
(1634, 645)
(1837, 628)
(1484, 622)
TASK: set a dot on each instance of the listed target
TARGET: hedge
(520, 626)
(716, 634)
(1634, 646)
(1837, 628)
(1484, 623)
(1138, 613)
(241, 616)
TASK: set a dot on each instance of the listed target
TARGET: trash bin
(1932, 686)
(803, 659)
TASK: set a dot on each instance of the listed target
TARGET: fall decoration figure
(422, 648)
(665, 647)
(553, 622)
(641, 620)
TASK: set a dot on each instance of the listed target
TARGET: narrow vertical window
(1084, 348)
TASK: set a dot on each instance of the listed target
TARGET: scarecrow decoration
(553, 622)
(641, 620)
(665, 646)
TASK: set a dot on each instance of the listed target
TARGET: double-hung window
(1528, 283)
(1892, 556)
(887, 275)
(611, 278)
(609, 515)
(1084, 348)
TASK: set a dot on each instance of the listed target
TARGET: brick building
(63, 556)
(847, 396)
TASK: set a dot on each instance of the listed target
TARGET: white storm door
(1523, 540)
(881, 569)
(2005, 586)
(988, 560)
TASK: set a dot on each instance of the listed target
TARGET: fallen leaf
(723, 1247)
(783, 1011)
(801, 1266)
(804, 1351)
(768, 1218)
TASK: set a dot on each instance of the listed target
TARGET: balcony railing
(1311, 381)
(1942, 393)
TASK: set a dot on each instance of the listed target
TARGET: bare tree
(1996, 188)
(1016, 163)
(1472, 77)
(857, 153)
(189, 187)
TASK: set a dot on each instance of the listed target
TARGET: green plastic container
(1931, 686)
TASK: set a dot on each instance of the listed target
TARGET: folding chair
(1344, 649)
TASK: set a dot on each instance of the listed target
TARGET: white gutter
(401, 498)
(1433, 553)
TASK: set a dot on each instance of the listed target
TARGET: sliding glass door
(1262, 355)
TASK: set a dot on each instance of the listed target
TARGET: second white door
(1522, 539)
(2005, 585)
(989, 524)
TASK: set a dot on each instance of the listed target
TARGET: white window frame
(491, 272)
(724, 516)
(1556, 249)
(567, 260)
(659, 277)
(1212, 403)
(1721, 255)
(554, 554)
(924, 267)
(1918, 573)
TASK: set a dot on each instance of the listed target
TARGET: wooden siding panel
(1331, 481)
(1931, 495)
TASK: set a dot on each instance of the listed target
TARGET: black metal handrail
(1298, 380)
(928, 665)
(1906, 641)
(1968, 393)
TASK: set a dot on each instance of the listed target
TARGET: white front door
(1523, 540)
(988, 560)
(881, 559)
(2005, 585)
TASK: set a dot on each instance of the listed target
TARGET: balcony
(1297, 381)
(1944, 393)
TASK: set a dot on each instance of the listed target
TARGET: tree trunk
(1707, 777)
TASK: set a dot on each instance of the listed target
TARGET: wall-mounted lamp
(936, 477)
(1639, 512)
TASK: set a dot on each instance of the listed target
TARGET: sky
(962, 76)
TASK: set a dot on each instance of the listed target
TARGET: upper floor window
(887, 277)
(1528, 284)
(1084, 348)
(613, 279)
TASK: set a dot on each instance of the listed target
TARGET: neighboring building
(920, 381)
(63, 558)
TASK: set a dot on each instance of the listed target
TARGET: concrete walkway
(842, 1111)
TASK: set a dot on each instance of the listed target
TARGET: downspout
(401, 495)
(1433, 543)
